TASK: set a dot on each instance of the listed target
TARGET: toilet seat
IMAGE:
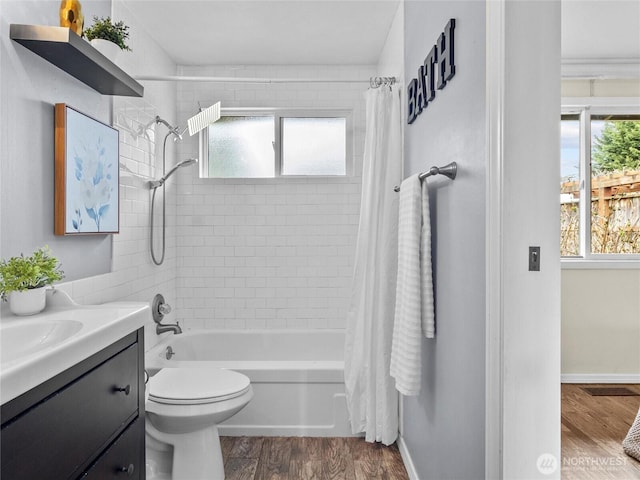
(196, 386)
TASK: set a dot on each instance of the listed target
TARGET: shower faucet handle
(159, 308)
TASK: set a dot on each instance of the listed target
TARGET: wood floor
(309, 458)
(593, 428)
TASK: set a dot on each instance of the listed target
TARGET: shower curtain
(371, 397)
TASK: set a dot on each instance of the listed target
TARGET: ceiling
(601, 29)
(294, 32)
(268, 32)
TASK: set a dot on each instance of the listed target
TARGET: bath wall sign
(422, 90)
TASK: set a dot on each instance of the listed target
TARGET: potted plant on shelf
(23, 280)
(107, 37)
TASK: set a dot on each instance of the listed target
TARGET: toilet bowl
(184, 407)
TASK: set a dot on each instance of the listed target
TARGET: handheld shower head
(158, 183)
(172, 129)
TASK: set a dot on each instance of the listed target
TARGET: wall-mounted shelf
(67, 51)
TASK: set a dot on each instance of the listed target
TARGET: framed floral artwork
(86, 174)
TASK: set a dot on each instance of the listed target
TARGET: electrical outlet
(534, 259)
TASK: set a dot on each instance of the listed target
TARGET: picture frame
(87, 174)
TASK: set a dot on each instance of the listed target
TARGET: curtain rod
(183, 78)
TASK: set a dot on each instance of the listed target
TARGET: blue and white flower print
(92, 163)
(92, 171)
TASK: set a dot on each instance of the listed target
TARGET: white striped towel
(414, 313)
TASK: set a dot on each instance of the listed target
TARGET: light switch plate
(534, 259)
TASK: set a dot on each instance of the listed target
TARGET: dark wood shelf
(67, 51)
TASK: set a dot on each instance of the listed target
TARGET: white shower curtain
(371, 396)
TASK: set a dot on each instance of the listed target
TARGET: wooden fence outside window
(615, 214)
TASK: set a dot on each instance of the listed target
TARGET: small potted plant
(23, 280)
(105, 35)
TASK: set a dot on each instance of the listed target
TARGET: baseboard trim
(406, 458)
(600, 378)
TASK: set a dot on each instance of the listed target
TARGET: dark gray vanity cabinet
(87, 422)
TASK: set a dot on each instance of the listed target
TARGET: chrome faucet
(170, 327)
(159, 309)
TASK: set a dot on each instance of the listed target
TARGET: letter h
(446, 61)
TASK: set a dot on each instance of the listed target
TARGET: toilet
(184, 408)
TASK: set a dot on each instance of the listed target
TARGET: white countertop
(99, 326)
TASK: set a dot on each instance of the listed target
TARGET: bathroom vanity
(87, 420)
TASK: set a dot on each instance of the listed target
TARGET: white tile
(283, 247)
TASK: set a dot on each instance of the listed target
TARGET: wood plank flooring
(593, 428)
(310, 458)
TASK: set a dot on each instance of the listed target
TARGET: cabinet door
(124, 458)
(60, 436)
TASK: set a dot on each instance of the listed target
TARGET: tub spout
(171, 327)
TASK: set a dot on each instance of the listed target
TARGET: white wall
(601, 88)
(530, 217)
(391, 61)
(444, 426)
(268, 253)
(30, 87)
(600, 323)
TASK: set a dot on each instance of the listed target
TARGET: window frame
(279, 114)
(585, 109)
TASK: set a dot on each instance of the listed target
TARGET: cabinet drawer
(75, 423)
(124, 459)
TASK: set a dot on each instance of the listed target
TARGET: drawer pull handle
(126, 390)
(128, 470)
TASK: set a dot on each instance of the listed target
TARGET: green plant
(618, 147)
(24, 273)
(105, 29)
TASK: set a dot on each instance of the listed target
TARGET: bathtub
(297, 377)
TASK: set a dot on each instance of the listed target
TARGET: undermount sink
(18, 340)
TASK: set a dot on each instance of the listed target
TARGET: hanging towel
(426, 273)
(414, 315)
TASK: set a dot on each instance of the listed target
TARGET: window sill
(582, 264)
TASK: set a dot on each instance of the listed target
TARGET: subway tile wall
(134, 277)
(268, 253)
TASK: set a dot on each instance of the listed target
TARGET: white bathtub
(297, 377)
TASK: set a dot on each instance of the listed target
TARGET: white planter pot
(28, 302)
(106, 48)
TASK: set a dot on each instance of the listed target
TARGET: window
(241, 146)
(273, 143)
(313, 146)
(600, 184)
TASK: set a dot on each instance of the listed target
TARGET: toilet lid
(190, 386)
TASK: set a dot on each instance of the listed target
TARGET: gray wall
(444, 426)
(30, 86)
